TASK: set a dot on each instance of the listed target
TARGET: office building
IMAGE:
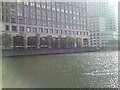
(46, 18)
(119, 19)
(98, 35)
(107, 12)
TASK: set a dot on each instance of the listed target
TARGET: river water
(79, 70)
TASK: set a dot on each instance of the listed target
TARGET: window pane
(45, 30)
(14, 28)
(21, 28)
(34, 29)
(28, 29)
(40, 30)
(7, 27)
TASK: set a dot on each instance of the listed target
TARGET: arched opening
(63, 42)
(54, 42)
(32, 42)
(43, 42)
(85, 42)
(18, 42)
(79, 42)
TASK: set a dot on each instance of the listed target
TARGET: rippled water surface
(79, 70)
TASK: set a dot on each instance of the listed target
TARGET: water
(81, 70)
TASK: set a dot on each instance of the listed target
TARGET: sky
(113, 1)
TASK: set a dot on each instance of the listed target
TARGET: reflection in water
(82, 70)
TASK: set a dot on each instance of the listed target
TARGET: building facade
(107, 12)
(46, 18)
(119, 19)
(98, 35)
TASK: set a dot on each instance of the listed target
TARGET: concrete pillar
(82, 43)
(26, 42)
(38, 44)
(75, 44)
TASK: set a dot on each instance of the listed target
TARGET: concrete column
(26, 42)
(38, 44)
(82, 42)
(75, 44)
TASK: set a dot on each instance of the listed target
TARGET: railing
(45, 51)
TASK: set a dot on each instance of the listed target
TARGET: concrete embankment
(44, 51)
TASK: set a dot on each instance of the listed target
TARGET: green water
(80, 70)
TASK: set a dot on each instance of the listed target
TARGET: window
(65, 32)
(25, 3)
(49, 14)
(6, 3)
(73, 32)
(54, 24)
(7, 27)
(13, 20)
(39, 22)
(14, 28)
(48, 3)
(58, 25)
(80, 33)
(51, 30)
(38, 17)
(40, 30)
(49, 24)
(34, 29)
(32, 4)
(66, 11)
(21, 28)
(2, 3)
(62, 25)
(77, 32)
(20, 13)
(48, 7)
(58, 19)
(43, 6)
(44, 23)
(45, 30)
(27, 20)
(58, 9)
(58, 15)
(60, 31)
(62, 16)
(70, 12)
(34, 22)
(53, 5)
(84, 33)
(28, 29)
(20, 21)
(62, 10)
(67, 26)
(7, 19)
(44, 17)
(69, 32)
(71, 19)
(53, 8)
(54, 14)
(44, 14)
(33, 15)
(56, 31)
(87, 33)
(38, 5)
(49, 18)
(2, 18)
(6, 10)
(70, 26)
(26, 12)
(32, 10)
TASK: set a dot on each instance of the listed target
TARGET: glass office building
(106, 11)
